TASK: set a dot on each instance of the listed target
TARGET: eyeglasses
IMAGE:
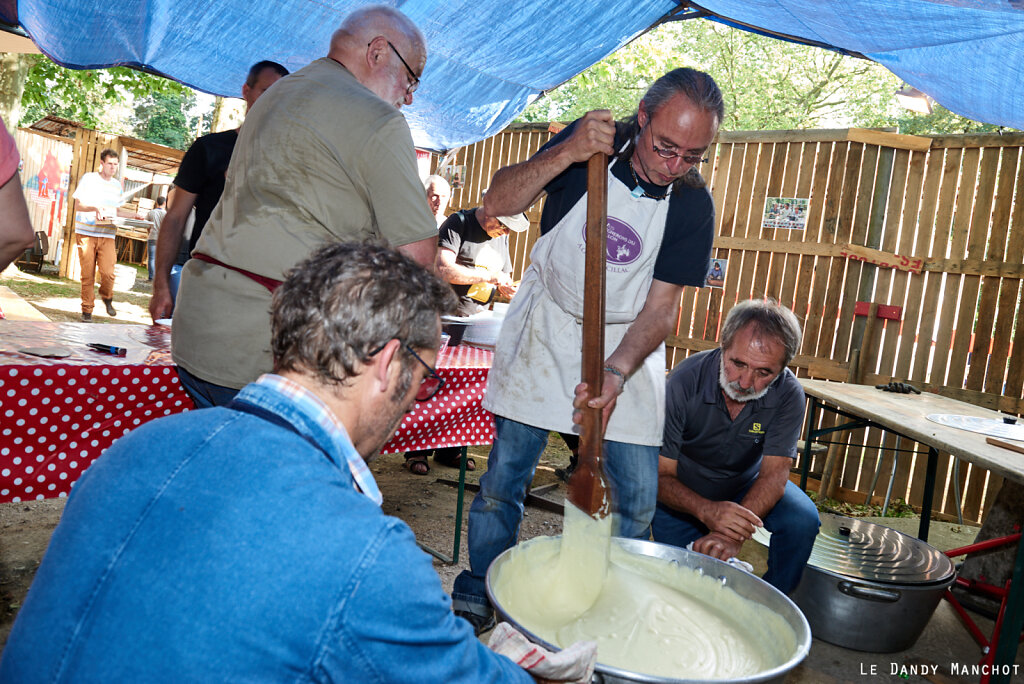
(431, 383)
(415, 83)
(672, 154)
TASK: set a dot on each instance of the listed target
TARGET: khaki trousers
(96, 252)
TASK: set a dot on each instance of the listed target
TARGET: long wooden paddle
(587, 488)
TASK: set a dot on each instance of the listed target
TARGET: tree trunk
(227, 113)
(14, 68)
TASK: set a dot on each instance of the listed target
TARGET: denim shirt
(217, 546)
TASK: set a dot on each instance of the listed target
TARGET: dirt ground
(427, 505)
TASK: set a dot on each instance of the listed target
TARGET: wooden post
(587, 488)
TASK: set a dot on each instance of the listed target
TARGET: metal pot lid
(864, 550)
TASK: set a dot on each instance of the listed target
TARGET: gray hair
(700, 89)
(433, 179)
(769, 318)
(364, 23)
(346, 301)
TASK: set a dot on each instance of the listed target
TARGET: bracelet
(615, 371)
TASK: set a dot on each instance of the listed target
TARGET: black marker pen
(107, 349)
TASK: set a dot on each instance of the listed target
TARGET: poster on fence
(716, 273)
(785, 212)
(455, 175)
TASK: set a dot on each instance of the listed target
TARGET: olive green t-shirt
(319, 159)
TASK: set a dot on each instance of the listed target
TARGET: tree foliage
(767, 83)
(163, 118)
(86, 95)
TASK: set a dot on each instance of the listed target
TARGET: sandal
(452, 461)
(417, 465)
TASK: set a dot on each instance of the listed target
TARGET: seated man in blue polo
(732, 419)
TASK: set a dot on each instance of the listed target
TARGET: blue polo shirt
(718, 456)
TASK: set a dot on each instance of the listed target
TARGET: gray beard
(734, 391)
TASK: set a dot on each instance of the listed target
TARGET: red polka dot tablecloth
(57, 415)
(454, 417)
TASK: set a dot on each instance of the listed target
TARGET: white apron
(538, 358)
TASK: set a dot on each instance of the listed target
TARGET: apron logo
(624, 245)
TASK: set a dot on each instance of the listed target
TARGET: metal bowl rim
(674, 553)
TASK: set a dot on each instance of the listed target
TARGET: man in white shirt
(96, 201)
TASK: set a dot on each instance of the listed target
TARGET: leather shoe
(109, 303)
(86, 317)
(480, 623)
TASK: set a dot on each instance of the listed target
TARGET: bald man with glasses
(324, 156)
(660, 230)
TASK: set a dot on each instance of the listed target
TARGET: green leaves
(767, 84)
(87, 96)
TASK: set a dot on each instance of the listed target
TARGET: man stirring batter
(660, 230)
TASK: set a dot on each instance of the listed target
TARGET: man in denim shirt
(246, 543)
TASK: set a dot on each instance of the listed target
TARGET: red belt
(266, 282)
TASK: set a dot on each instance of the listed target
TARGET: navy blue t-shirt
(718, 456)
(689, 227)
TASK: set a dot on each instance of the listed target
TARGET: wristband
(615, 371)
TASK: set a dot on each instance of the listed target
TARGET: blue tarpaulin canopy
(488, 60)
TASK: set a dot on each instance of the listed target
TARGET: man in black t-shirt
(199, 184)
(732, 419)
(472, 250)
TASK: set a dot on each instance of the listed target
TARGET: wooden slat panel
(904, 283)
(756, 167)
(738, 165)
(914, 318)
(945, 240)
(816, 271)
(844, 274)
(885, 279)
(995, 243)
(890, 286)
(1009, 308)
(784, 268)
(978, 188)
(762, 285)
(810, 185)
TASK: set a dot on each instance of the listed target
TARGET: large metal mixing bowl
(744, 584)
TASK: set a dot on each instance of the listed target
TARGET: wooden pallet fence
(933, 226)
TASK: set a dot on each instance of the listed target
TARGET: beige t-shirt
(319, 159)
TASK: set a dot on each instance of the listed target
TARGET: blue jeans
(793, 523)
(175, 280)
(151, 257)
(205, 394)
(497, 509)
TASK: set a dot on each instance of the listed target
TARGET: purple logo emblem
(623, 246)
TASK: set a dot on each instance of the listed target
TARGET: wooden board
(907, 414)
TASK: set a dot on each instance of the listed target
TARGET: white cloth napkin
(574, 664)
(734, 562)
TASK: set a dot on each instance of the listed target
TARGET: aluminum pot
(870, 588)
(744, 584)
